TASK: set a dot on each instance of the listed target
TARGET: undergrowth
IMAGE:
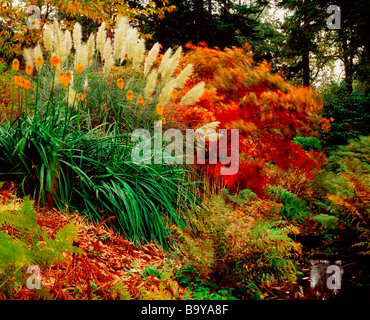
(238, 252)
(24, 243)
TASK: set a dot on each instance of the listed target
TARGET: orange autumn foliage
(268, 111)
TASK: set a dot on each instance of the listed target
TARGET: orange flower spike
(29, 69)
(129, 95)
(79, 68)
(120, 83)
(54, 61)
(64, 80)
(39, 62)
(174, 94)
(159, 109)
(69, 75)
(18, 80)
(140, 100)
(15, 64)
(80, 97)
(26, 84)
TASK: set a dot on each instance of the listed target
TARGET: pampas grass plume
(193, 95)
(108, 57)
(165, 60)
(184, 76)
(131, 43)
(68, 42)
(48, 36)
(139, 55)
(28, 56)
(152, 55)
(101, 38)
(90, 48)
(77, 36)
(151, 83)
(120, 36)
(82, 56)
(165, 95)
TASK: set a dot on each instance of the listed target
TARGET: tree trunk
(199, 19)
(306, 68)
(348, 66)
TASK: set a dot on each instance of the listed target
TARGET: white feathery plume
(48, 36)
(71, 96)
(68, 42)
(165, 60)
(123, 52)
(120, 36)
(37, 52)
(77, 36)
(151, 82)
(62, 47)
(184, 76)
(28, 56)
(101, 38)
(210, 126)
(57, 38)
(139, 55)
(82, 56)
(193, 95)
(108, 57)
(209, 131)
(90, 48)
(171, 65)
(165, 95)
(152, 55)
(131, 42)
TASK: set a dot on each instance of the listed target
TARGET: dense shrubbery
(268, 111)
(65, 139)
(343, 192)
(232, 250)
(350, 113)
(68, 140)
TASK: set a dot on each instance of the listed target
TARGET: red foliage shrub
(268, 111)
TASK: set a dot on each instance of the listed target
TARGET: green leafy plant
(308, 143)
(242, 198)
(231, 252)
(326, 220)
(24, 243)
(161, 285)
(293, 207)
(343, 190)
(201, 289)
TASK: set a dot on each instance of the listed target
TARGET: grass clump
(68, 139)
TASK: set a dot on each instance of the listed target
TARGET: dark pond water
(328, 279)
